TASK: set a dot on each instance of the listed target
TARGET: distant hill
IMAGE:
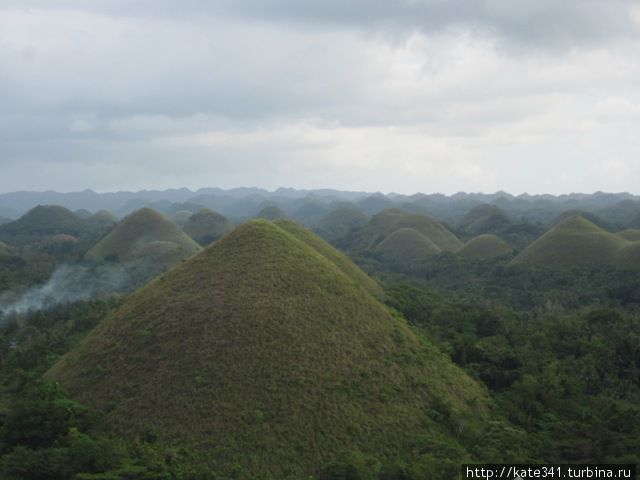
(340, 221)
(631, 234)
(485, 218)
(309, 213)
(407, 245)
(484, 246)
(575, 241)
(41, 222)
(629, 256)
(135, 232)
(181, 217)
(207, 226)
(102, 219)
(271, 213)
(592, 217)
(390, 220)
(374, 204)
(4, 249)
(260, 353)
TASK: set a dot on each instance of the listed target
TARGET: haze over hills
(262, 352)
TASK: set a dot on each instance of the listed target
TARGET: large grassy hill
(41, 222)
(390, 220)
(207, 226)
(407, 245)
(484, 246)
(340, 221)
(629, 257)
(485, 218)
(631, 234)
(131, 236)
(575, 241)
(264, 355)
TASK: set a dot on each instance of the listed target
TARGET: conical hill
(484, 247)
(387, 221)
(261, 352)
(207, 226)
(136, 231)
(407, 245)
(575, 241)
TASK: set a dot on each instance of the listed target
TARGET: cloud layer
(413, 95)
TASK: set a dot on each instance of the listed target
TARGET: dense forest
(530, 310)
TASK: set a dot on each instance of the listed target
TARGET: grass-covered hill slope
(271, 213)
(41, 222)
(343, 262)
(485, 218)
(631, 234)
(407, 245)
(575, 241)
(129, 237)
(261, 352)
(390, 220)
(340, 221)
(484, 246)
(207, 226)
(629, 257)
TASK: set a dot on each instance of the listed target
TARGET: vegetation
(630, 234)
(485, 218)
(207, 226)
(340, 222)
(271, 213)
(128, 239)
(43, 221)
(484, 246)
(264, 353)
(407, 245)
(575, 241)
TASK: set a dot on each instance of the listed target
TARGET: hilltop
(136, 231)
(207, 226)
(484, 246)
(575, 241)
(630, 234)
(340, 221)
(390, 220)
(629, 257)
(261, 353)
(271, 213)
(485, 218)
(41, 222)
(407, 245)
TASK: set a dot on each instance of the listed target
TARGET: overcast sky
(379, 95)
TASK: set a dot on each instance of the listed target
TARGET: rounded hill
(181, 217)
(387, 221)
(407, 245)
(575, 241)
(261, 353)
(631, 234)
(271, 213)
(484, 247)
(485, 218)
(207, 226)
(629, 257)
(43, 221)
(340, 221)
(135, 232)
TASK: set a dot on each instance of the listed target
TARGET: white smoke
(70, 283)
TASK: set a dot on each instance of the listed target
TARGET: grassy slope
(44, 220)
(575, 241)
(407, 244)
(206, 226)
(629, 257)
(484, 246)
(263, 352)
(387, 221)
(271, 213)
(343, 262)
(137, 230)
(631, 234)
